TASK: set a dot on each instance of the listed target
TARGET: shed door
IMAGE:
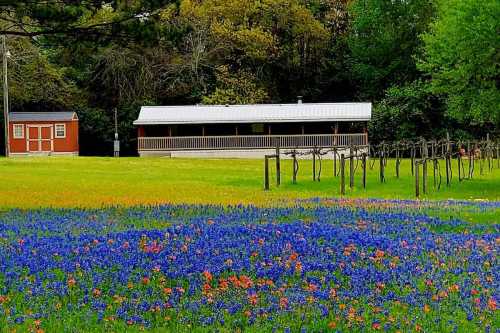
(32, 138)
(46, 138)
(39, 138)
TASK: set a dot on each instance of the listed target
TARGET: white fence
(250, 141)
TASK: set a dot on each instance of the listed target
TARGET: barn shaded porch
(193, 130)
(250, 136)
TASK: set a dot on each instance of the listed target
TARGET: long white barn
(249, 130)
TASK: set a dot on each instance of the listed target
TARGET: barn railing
(250, 141)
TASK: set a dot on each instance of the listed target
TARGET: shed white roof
(257, 113)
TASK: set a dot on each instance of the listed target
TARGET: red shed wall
(69, 144)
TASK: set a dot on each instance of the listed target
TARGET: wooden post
(266, 173)
(424, 149)
(481, 162)
(397, 161)
(448, 147)
(342, 174)
(278, 166)
(498, 156)
(364, 170)
(470, 160)
(459, 162)
(417, 183)
(351, 168)
(294, 175)
(314, 164)
(447, 163)
(412, 157)
(382, 178)
(471, 163)
(434, 170)
(424, 176)
(488, 151)
(334, 162)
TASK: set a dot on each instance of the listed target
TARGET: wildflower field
(316, 266)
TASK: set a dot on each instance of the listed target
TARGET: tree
(408, 111)
(238, 88)
(280, 41)
(63, 20)
(384, 41)
(462, 59)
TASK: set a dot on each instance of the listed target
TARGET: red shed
(43, 133)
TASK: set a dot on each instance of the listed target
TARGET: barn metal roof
(42, 116)
(257, 113)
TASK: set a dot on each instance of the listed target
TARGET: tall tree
(462, 56)
(384, 41)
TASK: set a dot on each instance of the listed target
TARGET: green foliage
(383, 42)
(239, 88)
(462, 56)
(408, 111)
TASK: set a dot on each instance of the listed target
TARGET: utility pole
(116, 145)
(5, 56)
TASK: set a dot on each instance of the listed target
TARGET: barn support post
(278, 166)
(266, 173)
(342, 174)
(364, 170)
(351, 168)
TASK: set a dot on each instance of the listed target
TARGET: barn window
(60, 131)
(18, 131)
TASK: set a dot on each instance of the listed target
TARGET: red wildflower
(283, 302)
(96, 292)
(208, 276)
(71, 282)
(379, 254)
(252, 299)
(492, 304)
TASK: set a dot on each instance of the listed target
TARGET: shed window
(60, 130)
(18, 131)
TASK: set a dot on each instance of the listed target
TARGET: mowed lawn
(97, 182)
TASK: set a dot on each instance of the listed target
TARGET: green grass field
(96, 182)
